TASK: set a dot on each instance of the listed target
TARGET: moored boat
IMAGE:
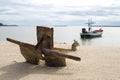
(90, 33)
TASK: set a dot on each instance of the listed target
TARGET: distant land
(1, 24)
(105, 26)
(60, 25)
(92, 25)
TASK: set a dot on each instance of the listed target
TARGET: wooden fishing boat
(91, 33)
(95, 33)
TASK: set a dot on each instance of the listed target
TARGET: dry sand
(98, 63)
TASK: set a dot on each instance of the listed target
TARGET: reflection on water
(88, 41)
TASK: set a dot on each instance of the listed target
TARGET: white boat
(90, 33)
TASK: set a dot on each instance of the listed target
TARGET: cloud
(50, 12)
(66, 2)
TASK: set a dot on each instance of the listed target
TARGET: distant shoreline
(61, 26)
(104, 26)
(8, 25)
(1, 24)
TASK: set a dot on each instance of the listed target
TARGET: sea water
(67, 34)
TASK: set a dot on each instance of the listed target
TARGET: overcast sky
(59, 12)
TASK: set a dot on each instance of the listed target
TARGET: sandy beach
(97, 63)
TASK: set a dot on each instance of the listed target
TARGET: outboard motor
(84, 30)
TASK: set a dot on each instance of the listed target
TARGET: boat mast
(90, 24)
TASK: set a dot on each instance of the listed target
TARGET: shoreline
(97, 63)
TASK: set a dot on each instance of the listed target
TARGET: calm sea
(110, 35)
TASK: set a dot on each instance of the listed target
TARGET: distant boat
(90, 33)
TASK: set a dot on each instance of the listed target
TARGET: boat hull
(91, 34)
